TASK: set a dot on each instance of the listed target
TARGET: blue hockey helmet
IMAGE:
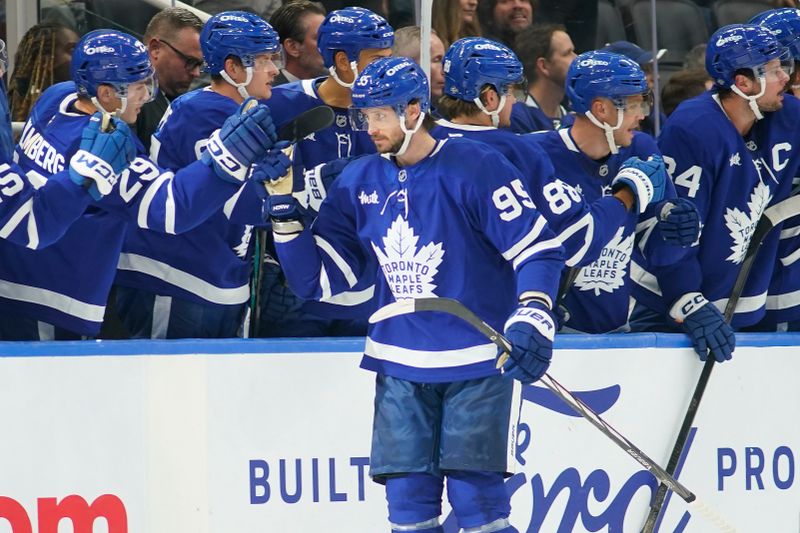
(109, 57)
(391, 81)
(784, 24)
(351, 30)
(740, 46)
(474, 62)
(239, 34)
(603, 74)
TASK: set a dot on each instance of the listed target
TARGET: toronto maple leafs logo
(244, 244)
(741, 225)
(409, 271)
(607, 272)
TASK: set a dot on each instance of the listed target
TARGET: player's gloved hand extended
(646, 179)
(678, 221)
(530, 330)
(705, 325)
(317, 180)
(102, 156)
(243, 138)
(285, 214)
(272, 168)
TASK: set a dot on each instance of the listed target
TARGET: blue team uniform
(435, 231)
(209, 265)
(731, 179)
(85, 258)
(573, 192)
(527, 117)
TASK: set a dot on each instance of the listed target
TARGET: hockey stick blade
(771, 217)
(306, 123)
(456, 308)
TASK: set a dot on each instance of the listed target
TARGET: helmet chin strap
(408, 133)
(494, 115)
(608, 129)
(116, 112)
(240, 87)
(353, 67)
(751, 100)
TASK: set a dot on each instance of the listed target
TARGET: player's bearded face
(776, 79)
(636, 109)
(383, 126)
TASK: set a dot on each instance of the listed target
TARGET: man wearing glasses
(173, 41)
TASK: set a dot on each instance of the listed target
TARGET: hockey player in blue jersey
(733, 152)
(113, 75)
(783, 302)
(441, 218)
(348, 40)
(197, 284)
(594, 212)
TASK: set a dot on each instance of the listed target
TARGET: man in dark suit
(297, 23)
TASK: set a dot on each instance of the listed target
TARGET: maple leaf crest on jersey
(408, 271)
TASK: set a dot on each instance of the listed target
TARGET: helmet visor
(375, 118)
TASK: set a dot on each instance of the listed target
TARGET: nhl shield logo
(341, 121)
(402, 176)
(603, 171)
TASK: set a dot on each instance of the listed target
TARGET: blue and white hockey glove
(102, 156)
(272, 168)
(285, 214)
(243, 138)
(317, 180)
(679, 221)
(646, 179)
(705, 325)
(530, 330)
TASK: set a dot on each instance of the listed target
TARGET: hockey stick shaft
(456, 308)
(771, 218)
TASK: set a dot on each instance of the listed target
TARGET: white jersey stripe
(429, 358)
(52, 299)
(535, 249)
(526, 241)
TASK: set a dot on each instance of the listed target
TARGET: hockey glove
(102, 156)
(285, 214)
(705, 325)
(317, 180)
(678, 221)
(646, 179)
(272, 168)
(530, 330)
(242, 139)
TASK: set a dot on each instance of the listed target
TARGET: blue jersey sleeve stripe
(586, 221)
(147, 199)
(746, 304)
(324, 283)
(169, 211)
(527, 240)
(54, 300)
(551, 244)
(644, 279)
(14, 221)
(351, 298)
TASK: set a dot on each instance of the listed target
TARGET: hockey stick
(456, 308)
(772, 217)
(310, 121)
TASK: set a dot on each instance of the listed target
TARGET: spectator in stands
(43, 58)
(406, 44)
(546, 52)
(455, 19)
(6, 138)
(682, 85)
(696, 57)
(173, 41)
(503, 20)
(297, 23)
(645, 59)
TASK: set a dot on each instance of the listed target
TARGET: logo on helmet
(590, 62)
(392, 71)
(488, 46)
(341, 18)
(729, 39)
(102, 49)
(226, 18)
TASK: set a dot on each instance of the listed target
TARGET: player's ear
(234, 69)
(599, 107)
(490, 99)
(341, 61)
(106, 95)
(412, 113)
(744, 83)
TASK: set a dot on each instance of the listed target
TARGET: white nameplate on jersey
(92, 167)
(741, 225)
(409, 270)
(607, 272)
(224, 159)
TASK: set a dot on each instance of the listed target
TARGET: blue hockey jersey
(731, 179)
(67, 283)
(459, 224)
(572, 191)
(210, 263)
(527, 117)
